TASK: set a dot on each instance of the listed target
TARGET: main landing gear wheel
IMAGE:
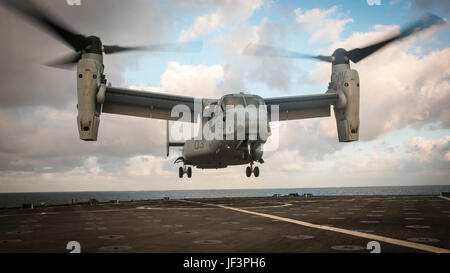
(183, 170)
(250, 170)
(256, 171)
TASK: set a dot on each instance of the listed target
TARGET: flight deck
(324, 224)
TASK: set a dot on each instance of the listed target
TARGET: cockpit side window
(231, 100)
(209, 110)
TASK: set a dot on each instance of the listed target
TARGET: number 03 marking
(199, 144)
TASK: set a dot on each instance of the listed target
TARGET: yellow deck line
(446, 198)
(339, 230)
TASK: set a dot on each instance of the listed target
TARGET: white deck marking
(185, 208)
(339, 230)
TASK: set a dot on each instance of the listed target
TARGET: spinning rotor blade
(270, 51)
(80, 43)
(31, 11)
(194, 46)
(66, 62)
(357, 54)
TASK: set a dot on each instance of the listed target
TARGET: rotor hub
(95, 46)
(340, 56)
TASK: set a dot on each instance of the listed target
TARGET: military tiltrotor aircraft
(233, 144)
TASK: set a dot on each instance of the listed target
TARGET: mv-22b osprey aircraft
(96, 96)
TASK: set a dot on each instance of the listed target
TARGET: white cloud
(398, 87)
(320, 26)
(417, 161)
(90, 167)
(447, 156)
(226, 12)
(189, 80)
(145, 166)
(294, 165)
(45, 139)
(241, 68)
(285, 168)
(195, 80)
(425, 150)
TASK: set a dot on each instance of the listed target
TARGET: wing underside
(145, 104)
(302, 107)
(159, 105)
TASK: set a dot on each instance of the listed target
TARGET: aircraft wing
(301, 107)
(145, 104)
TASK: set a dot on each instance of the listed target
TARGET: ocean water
(8, 200)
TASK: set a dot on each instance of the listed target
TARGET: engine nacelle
(345, 82)
(90, 71)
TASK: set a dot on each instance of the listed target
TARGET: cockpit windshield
(256, 101)
(232, 100)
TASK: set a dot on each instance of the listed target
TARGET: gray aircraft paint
(89, 74)
(94, 97)
(345, 83)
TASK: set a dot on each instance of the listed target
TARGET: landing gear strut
(249, 170)
(183, 170)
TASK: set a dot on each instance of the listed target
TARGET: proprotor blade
(270, 51)
(357, 54)
(194, 46)
(66, 62)
(31, 11)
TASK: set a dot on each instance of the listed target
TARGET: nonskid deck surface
(236, 225)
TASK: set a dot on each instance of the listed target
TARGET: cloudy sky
(405, 94)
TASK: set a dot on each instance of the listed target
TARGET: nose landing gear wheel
(248, 171)
(180, 172)
(256, 171)
(189, 172)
